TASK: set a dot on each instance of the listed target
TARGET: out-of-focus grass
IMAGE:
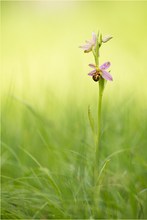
(47, 146)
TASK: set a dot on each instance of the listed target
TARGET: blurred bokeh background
(45, 93)
(45, 71)
(40, 41)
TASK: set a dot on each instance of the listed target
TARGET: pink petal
(94, 37)
(92, 72)
(106, 75)
(88, 42)
(92, 65)
(105, 66)
(85, 47)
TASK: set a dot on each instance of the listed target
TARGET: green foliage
(47, 168)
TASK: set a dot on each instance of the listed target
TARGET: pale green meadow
(47, 147)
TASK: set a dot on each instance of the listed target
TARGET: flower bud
(106, 38)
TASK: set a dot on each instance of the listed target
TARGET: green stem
(96, 54)
(100, 96)
(97, 153)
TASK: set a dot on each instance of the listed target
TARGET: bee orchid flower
(89, 44)
(96, 73)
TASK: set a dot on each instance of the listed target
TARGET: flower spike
(98, 72)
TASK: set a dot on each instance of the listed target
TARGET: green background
(45, 94)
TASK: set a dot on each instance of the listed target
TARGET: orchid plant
(99, 74)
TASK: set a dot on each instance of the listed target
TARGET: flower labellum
(89, 44)
(96, 73)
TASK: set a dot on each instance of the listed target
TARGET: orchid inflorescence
(93, 46)
(100, 74)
